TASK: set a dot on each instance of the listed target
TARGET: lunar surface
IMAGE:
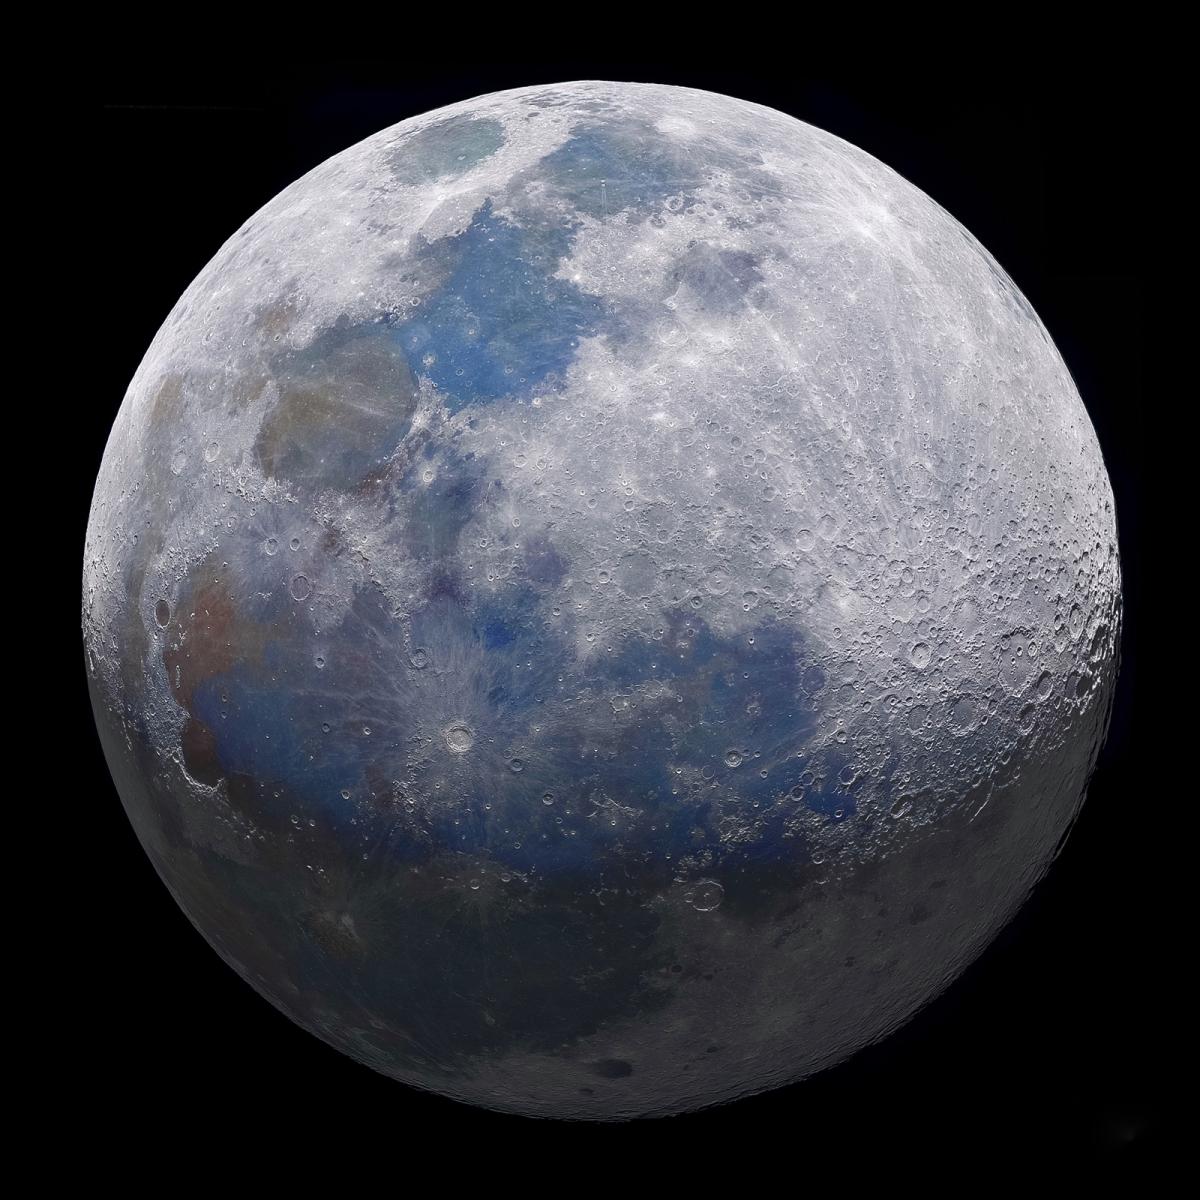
(600, 600)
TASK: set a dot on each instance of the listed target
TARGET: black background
(1052, 1048)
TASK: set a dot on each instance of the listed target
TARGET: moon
(601, 600)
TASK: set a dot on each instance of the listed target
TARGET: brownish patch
(200, 752)
(212, 638)
(209, 626)
(166, 409)
(274, 320)
(344, 405)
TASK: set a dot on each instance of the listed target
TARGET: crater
(459, 737)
